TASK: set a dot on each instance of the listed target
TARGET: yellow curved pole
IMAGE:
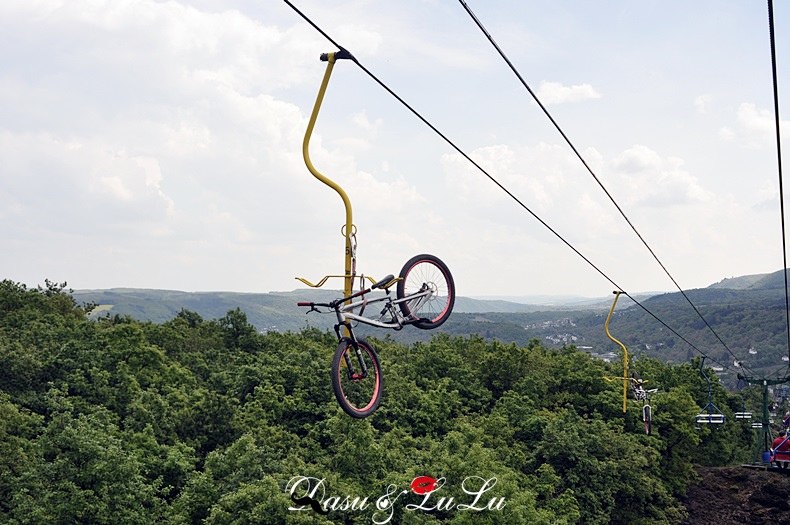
(625, 350)
(349, 227)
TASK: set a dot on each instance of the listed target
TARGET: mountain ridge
(159, 305)
(748, 312)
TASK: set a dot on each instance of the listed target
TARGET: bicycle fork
(363, 367)
(352, 375)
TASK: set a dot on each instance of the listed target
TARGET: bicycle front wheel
(356, 378)
(426, 273)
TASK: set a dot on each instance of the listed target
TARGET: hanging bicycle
(424, 298)
(642, 394)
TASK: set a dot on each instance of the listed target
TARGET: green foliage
(207, 421)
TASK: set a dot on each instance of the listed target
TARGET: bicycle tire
(358, 397)
(430, 271)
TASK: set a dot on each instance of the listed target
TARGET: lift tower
(766, 430)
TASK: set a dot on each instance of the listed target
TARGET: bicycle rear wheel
(356, 378)
(426, 272)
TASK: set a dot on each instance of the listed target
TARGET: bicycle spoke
(426, 274)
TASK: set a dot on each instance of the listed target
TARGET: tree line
(195, 421)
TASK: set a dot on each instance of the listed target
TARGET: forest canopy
(194, 421)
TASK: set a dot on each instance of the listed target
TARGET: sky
(158, 144)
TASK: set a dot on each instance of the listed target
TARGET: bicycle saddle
(384, 282)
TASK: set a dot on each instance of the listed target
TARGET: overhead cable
(779, 165)
(495, 181)
(592, 173)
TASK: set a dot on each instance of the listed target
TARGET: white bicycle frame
(345, 313)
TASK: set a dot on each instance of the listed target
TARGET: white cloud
(653, 180)
(536, 175)
(361, 119)
(550, 93)
(702, 103)
(754, 120)
(63, 186)
(727, 134)
(141, 120)
(154, 143)
(753, 128)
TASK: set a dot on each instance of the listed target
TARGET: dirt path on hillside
(738, 495)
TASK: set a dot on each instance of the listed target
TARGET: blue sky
(158, 144)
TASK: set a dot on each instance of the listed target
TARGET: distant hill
(738, 283)
(266, 311)
(760, 281)
(771, 281)
(747, 312)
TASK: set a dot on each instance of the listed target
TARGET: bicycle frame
(345, 312)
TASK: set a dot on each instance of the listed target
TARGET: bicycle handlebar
(334, 304)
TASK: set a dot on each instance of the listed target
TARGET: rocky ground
(738, 495)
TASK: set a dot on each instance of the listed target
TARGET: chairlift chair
(710, 415)
(710, 419)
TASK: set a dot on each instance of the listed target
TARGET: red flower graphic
(423, 485)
